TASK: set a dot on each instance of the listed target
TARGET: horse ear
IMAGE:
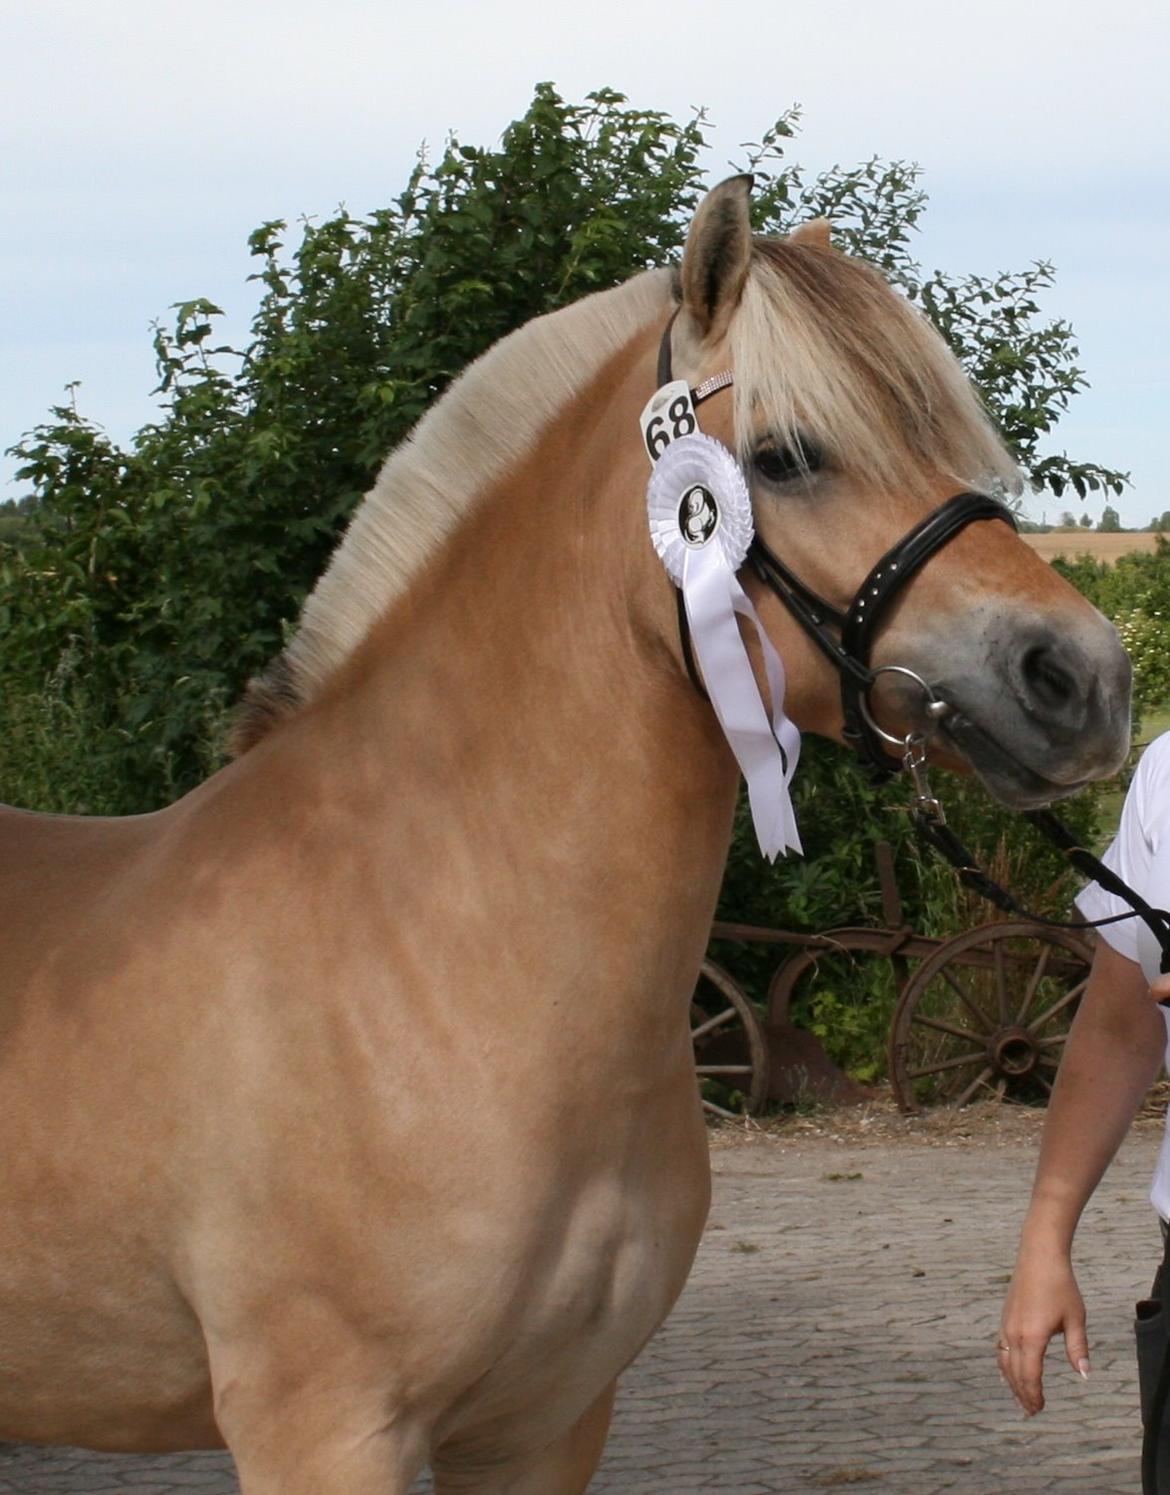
(815, 234)
(715, 261)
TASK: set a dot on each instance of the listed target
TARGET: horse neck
(524, 698)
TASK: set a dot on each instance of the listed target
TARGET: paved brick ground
(837, 1332)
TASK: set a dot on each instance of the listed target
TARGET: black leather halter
(847, 638)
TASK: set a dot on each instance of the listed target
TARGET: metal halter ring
(935, 709)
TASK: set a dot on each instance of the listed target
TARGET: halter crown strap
(706, 387)
(664, 370)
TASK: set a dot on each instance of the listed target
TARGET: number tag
(669, 414)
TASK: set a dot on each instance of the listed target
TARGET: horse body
(354, 1099)
(389, 1122)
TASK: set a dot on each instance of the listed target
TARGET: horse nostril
(1050, 684)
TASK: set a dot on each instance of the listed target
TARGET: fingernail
(1083, 1369)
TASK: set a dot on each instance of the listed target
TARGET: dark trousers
(1152, 1331)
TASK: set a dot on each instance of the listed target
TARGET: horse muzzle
(1034, 710)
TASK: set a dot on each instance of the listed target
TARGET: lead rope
(931, 826)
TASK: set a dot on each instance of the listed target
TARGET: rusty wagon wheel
(987, 1016)
(731, 1055)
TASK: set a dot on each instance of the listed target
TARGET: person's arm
(1111, 1058)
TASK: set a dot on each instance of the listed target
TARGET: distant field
(1068, 544)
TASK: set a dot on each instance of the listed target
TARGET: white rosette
(701, 526)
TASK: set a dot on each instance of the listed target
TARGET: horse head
(856, 429)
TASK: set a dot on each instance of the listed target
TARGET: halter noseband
(846, 638)
(857, 627)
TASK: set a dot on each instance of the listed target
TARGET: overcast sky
(144, 139)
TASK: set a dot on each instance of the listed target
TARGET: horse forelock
(825, 350)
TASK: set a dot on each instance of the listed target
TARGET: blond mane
(821, 348)
(486, 421)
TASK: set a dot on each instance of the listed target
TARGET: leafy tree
(1110, 522)
(1086, 521)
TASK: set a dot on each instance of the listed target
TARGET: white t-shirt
(1140, 854)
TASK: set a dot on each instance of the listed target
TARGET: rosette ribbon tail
(766, 749)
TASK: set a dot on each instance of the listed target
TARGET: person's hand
(1042, 1301)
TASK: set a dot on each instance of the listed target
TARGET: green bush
(1146, 636)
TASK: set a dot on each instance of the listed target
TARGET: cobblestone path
(837, 1332)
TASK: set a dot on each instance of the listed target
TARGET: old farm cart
(981, 1015)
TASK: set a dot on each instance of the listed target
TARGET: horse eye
(779, 464)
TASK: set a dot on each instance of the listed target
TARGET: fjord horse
(349, 1116)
